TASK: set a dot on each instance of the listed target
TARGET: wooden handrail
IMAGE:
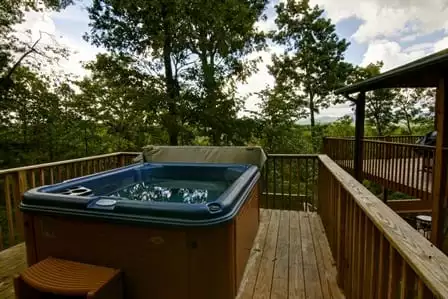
(393, 138)
(376, 250)
(53, 164)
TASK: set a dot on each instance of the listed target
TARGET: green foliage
(313, 63)
(379, 103)
(219, 35)
(342, 127)
(170, 77)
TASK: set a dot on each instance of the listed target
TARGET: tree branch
(7, 77)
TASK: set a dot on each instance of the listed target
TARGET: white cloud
(441, 44)
(389, 18)
(391, 53)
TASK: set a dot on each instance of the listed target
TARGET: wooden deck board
(280, 279)
(12, 262)
(290, 258)
(296, 278)
(313, 287)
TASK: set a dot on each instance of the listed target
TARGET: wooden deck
(290, 258)
(405, 175)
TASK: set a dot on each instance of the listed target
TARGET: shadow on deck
(290, 258)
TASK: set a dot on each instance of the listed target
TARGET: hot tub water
(182, 191)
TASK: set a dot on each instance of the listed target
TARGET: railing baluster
(282, 182)
(354, 249)
(266, 183)
(290, 183)
(423, 291)
(9, 210)
(306, 184)
(428, 176)
(349, 278)
(360, 253)
(33, 178)
(274, 180)
(408, 282)
(51, 175)
(408, 169)
(393, 278)
(41, 177)
(20, 186)
(341, 229)
(59, 174)
(374, 256)
(383, 268)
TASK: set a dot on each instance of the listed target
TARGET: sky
(394, 31)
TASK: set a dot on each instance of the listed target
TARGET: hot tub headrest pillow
(253, 155)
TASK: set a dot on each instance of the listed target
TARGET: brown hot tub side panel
(218, 263)
(152, 260)
(246, 227)
(199, 263)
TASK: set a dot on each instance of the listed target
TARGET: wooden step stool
(57, 278)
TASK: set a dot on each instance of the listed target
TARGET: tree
(122, 98)
(11, 13)
(313, 63)
(409, 104)
(379, 110)
(220, 34)
(380, 103)
(342, 127)
(148, 29)
(279, 112)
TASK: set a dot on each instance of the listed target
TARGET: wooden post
(440, 172)
(359, 135)
(122, 161)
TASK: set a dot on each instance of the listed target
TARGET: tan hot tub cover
(205, 154)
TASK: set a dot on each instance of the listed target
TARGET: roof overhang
(424, 72)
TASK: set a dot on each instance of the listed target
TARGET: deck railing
(410, 139)
(290, 182)
(401, 167)
(377, 253)
(15, 181)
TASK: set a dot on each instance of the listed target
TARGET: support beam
(440, 172)
(359, 135)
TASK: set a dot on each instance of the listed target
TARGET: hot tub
(177, 230)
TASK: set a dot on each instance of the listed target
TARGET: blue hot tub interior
(163, 193)
(188, 184)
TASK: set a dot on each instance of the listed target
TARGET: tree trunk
(313, 123)
(208, 70)
(171, 86)
(408, 122)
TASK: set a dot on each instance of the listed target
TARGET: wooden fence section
(289, 182)
(409, 139)
(401, 167)
(377, 253)
(15, 181)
